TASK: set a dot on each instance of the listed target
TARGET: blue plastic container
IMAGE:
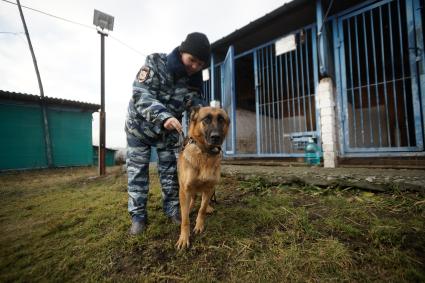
(313, 153)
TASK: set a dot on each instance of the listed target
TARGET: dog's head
(208, 127)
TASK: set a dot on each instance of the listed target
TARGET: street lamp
(104, 23)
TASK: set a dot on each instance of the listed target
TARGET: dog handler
(164, 88)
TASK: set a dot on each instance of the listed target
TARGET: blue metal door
(286, 96)
(228, 98)
(378, 55)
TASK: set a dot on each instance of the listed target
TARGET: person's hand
(173, 124)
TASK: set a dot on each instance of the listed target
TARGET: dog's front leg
(200, 219)
(185, 198)
(192, 202)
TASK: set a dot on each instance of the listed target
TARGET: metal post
(212, 79)
(102, 116)
(40, 85)
(322, 38)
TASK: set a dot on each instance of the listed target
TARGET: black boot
(176, 219)
(137, 227)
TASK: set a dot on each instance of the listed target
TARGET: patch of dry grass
(66, 225)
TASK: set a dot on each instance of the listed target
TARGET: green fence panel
(109, 158)
(22, 138)
(71, 135)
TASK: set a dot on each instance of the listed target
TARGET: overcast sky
(68, 54)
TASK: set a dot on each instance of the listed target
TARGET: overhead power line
(128, 46)
(11, 32)
(50, 15)
(74, 22)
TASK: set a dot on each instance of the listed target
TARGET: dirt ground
(373, 179)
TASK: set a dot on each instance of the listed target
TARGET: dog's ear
(194, 112)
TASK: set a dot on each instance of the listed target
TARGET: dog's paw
(199, 228)
(183, 242)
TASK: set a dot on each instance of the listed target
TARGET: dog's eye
(207, 120)
(220, 119)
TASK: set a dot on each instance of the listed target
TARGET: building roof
(268, 27)
(286, 19)
(8, 95)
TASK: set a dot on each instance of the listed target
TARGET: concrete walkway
(373, 179)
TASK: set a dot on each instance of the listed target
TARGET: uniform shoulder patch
(143, 74)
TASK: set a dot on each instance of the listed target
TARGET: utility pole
(103, 22)
(102, 116)
(40, 85)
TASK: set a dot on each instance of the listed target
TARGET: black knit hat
(198, 45)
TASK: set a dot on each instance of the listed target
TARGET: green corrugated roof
(9, 95)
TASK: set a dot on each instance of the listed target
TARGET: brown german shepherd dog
(199, 166)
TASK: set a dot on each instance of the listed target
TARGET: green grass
(64, 225)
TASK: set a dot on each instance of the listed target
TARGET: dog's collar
(193, 141)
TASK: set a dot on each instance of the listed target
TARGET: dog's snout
(215, 137)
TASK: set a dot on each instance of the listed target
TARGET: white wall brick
(327, 134)
(329, 163)
(328, 130)
(327, 111)
(326, 103)
(329, 159)
(328, 139)
(325, 84)
(328, 147)
(327, 121)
